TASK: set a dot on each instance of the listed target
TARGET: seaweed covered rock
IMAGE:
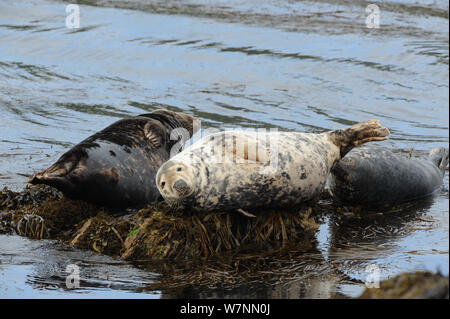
(177, 236)
(31, 196)
(152, 233)
(418, 285)
(41, 212)
(102, 233)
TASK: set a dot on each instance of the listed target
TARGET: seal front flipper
(153, 135)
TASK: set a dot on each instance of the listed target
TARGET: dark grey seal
(116, 167)
(375, 175)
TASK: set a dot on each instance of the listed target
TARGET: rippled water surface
(294, 65)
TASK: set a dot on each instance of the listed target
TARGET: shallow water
(294, 65)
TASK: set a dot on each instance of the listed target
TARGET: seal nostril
(162, 184)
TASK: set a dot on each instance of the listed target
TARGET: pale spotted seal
(260, 169)
(375, 175)
(116, 167)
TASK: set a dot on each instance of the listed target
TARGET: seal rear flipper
(56, 176)
(358, 134)
(439, 157)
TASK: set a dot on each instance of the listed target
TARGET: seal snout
(181, 187)
(174, 181)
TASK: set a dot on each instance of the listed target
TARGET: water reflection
(378, 226)
(37, 269)
(391, 239)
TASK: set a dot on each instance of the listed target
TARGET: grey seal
(375, 175)
(116, 167)
(239, 170)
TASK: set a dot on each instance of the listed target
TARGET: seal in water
(375, 175)
(238, 170)
(116, 167)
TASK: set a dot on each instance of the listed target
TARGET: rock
(418, 285)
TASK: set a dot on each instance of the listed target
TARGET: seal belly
(374, 175)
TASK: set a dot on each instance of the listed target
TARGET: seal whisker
(243, 212)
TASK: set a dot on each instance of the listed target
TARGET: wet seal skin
(375, 175)
(116, 167)
(196, 179)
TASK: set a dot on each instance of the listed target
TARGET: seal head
(175, 181)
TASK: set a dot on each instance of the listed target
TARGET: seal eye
(179, 169)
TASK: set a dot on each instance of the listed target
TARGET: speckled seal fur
(225, 171)
(374, 175)
(116, 167)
